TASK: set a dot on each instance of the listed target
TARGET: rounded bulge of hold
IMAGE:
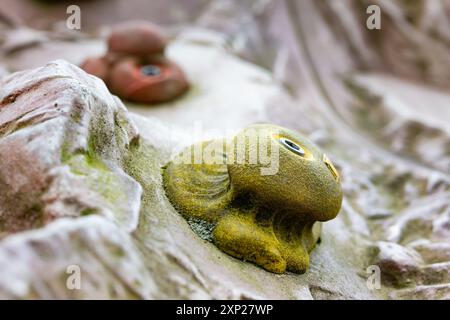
(137, 38)
(305, 184)
(153, 79)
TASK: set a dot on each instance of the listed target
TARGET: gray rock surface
(375, 100)
(62, 138)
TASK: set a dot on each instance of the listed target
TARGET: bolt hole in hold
(150, 70)
(292, 146)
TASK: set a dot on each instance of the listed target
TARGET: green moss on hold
(265, 203)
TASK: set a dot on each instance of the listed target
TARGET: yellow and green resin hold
(260, 196)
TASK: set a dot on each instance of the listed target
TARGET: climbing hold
(153, 81)
(273, 220)
(135, 69)
(137, 38)
(97, 67)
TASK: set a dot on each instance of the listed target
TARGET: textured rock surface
(364, 96)
(62, 137)
(91, 165)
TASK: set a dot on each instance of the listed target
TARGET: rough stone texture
(62, 136)
(91, 165)
(376, 101)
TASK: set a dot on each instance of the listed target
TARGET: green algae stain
(87, 212)
(142, 163)
(98, 177)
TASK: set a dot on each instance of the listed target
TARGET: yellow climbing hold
(265, 191)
